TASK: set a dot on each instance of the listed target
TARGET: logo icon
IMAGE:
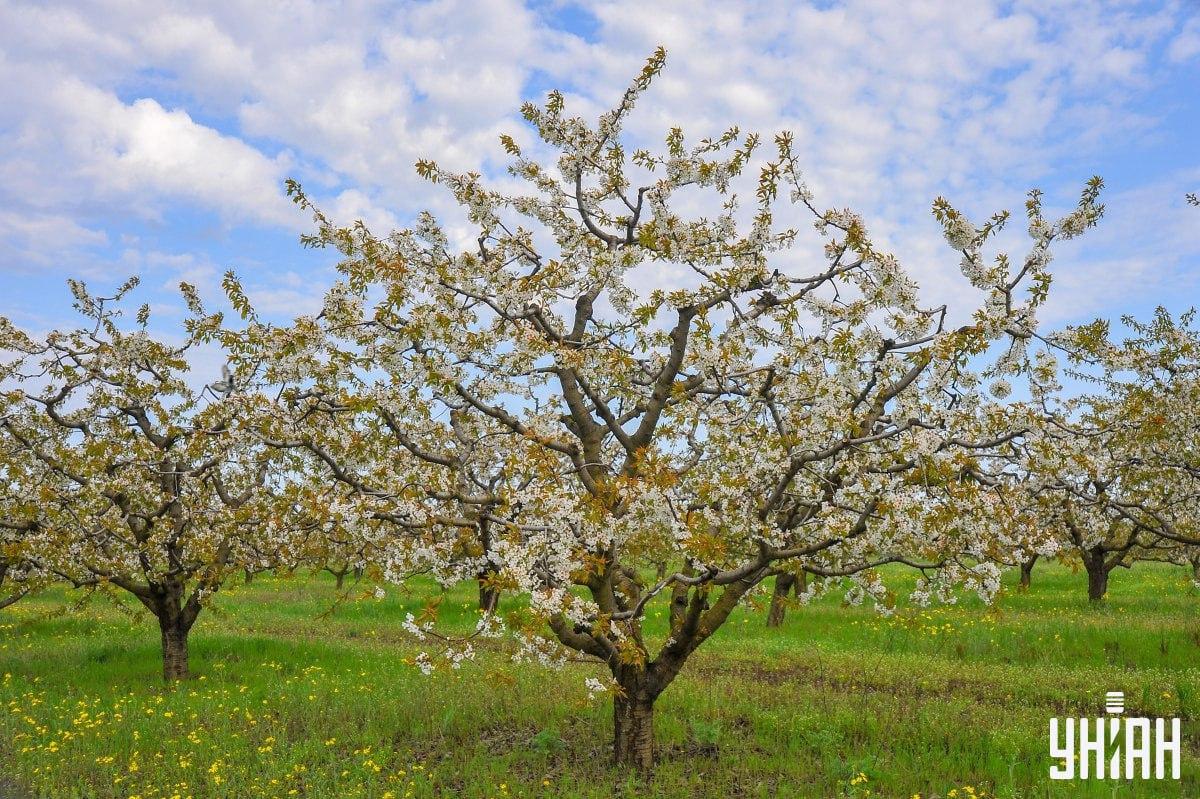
(1114, 747)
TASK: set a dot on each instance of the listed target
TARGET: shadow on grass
(11, 791)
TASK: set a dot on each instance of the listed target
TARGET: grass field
(839, 702)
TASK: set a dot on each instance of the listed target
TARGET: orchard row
(631, 376)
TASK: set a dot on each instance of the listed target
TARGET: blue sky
(154, 138)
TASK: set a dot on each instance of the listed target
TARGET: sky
(154, 138)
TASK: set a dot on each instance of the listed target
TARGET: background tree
(786, 583)
(377, 464)
(155, 486)
(19, 576)
(1114, 468)
(336, 536)
(1027, 570)
(21, 524)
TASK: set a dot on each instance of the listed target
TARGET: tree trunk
(249, 576)
(489, 597)
(642, 681)
(340, 578)
(1196, 571)
(1027, 571)
(174, 648)
(633, 732)
(783, 587)
(1097, 580)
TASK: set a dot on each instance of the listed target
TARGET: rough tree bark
(1097, 571)
(1097, 584)
(694, 617)
(176, 610)
(1100, 559)
(489, 595)
(175, 620)
(633, 731)
(174, 649)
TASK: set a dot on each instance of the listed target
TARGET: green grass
(285, 703)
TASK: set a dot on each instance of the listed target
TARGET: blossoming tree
(19, 576)
(21, 524)
(396, 487)
(766, 413)
(1114, 469)
(149, 484)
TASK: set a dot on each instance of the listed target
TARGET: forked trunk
(693, 619)
(1027, 571)
(174, 649)
(633, 732)
(175, 620)
(785, 583)
(783, 587)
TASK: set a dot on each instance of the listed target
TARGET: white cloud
(144, 107)
(348, 98)
(1186, 45)
(287, 295)
(42, 239)
(1145, 251)
(72, 145)
(143, 146)
(895, 103)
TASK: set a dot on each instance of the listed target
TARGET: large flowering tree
(527, 404)
(137, 478)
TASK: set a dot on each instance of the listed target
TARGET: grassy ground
(839, 702)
